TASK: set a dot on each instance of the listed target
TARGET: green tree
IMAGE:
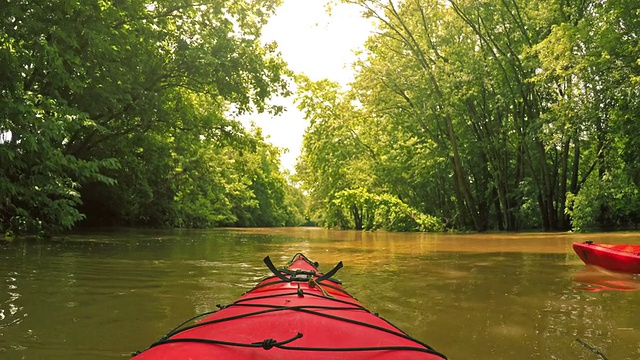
(334, 155)
(369, 211)
(502, 110)
(150, 85)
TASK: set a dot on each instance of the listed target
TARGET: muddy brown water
(104, 295)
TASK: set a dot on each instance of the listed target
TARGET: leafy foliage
(371, 212)
(121, 111)
(489, 115)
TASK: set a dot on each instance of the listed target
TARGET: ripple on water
(510, 330)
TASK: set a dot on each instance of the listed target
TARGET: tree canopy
(490, 115)
(463, 115)
(122, 112)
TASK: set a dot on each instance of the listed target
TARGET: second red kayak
(614, 257)
(298, 313)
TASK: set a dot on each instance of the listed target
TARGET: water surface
(491, 296)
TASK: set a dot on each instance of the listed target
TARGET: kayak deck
(296, 313)
(615, 257)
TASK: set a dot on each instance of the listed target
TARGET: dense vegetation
(464, 114)
(494, 114)
(122, 113)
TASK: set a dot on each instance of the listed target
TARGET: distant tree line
(122, 113)
(487, 115)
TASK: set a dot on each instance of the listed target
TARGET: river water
(104, 295)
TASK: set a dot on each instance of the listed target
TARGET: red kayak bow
(614, 257)
(298, 313)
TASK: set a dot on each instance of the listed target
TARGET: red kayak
(298, 313)
(621, 257)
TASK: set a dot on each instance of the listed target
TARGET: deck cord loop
(270, 343)
(314, 283)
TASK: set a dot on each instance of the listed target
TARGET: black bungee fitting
(302, 275)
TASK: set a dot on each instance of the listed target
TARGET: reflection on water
(595, 279)
(490, 296)
(9, 312)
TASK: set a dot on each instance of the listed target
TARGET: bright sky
(318, 45)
